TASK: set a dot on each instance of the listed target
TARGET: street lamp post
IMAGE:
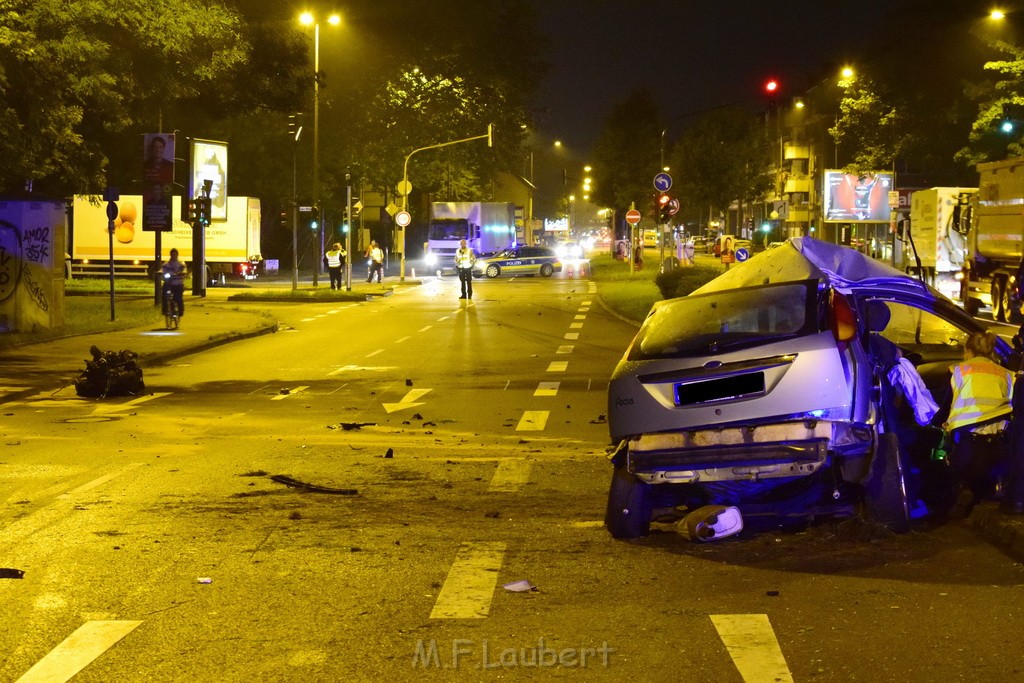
(307, 19)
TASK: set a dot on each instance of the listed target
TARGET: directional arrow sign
(408, 401)
(663, 182)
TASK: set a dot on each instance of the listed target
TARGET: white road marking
(469, 588)
(104, 409)
(374, 353)
(533, 421)
(558, 366)
(572, 335)
(307, 320)
(751, 643)
(336, 310)
(399, 341)
(424, 329)
(547, 389)
(442, 318)
(77, 651)
(408, 401)
(99, 481)
(575, 326)
(580, 317)
(291, 392)
(510, 476)
(585, 303)
(565, 349)
(351, 368)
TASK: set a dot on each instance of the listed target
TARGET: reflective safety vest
(464, 258)
(981, 392)
(333, 258)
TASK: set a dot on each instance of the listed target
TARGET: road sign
(403, 218)
(673, 206)
(742, 255)
(662, 182)
(632, 216)
(111, 211)
(391, 208)
(404, 187)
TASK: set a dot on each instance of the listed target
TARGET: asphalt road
(156, 546)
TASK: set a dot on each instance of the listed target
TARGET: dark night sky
(691, 54)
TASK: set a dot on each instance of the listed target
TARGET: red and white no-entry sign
(632, 216)
(403, 218)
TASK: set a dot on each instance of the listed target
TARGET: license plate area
(745, 385)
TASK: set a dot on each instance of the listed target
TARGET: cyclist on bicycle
(173, 274)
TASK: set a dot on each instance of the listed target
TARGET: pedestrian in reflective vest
(335, 257)
(978, 417)
(464, 260)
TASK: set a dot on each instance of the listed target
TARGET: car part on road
(314, 488)
(110, 373)
(711, 523)
(630, 503)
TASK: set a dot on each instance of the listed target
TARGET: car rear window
(719, 322)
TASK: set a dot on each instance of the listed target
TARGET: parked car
(519, 261)
(765, 389)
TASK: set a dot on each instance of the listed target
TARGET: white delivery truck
(487, 227)
(232, 246)
(936, 245)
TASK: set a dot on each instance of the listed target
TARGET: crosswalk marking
(558, 366)
(510, 476)
(751, 643)
(547, 389)
(469, 588)
(533, 421)
(77, 651)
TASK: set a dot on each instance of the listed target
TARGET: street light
(307, 19)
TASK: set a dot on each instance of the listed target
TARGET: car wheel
(492, 271)
(885, 489)
(629, 506)
(996, 292)
(1010, 305)
(546, 270)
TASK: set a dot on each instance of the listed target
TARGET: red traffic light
(663, 200)
(771, 86)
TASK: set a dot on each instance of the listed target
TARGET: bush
(682, 281)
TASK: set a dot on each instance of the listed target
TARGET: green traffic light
(1007, 126)
(313, 225)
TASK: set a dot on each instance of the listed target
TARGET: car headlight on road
(431, 259)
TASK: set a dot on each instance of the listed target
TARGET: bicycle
(171, 313)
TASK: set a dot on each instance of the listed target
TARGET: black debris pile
(110, 373)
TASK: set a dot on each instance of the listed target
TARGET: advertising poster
(857, 197)
(158, 181)
(210, 162)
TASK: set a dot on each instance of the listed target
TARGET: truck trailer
(487, 227)
(995, 240)
(935, 248)
(232, 246)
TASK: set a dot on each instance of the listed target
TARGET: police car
(519, 261)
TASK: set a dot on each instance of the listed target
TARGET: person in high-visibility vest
(335, 258)
(464, 260)
(978, 417)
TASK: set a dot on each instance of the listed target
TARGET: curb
(211, 343)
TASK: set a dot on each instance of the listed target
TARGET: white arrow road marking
(565, 349)
(558, 366)
(78, 650)
(291, 392)
(572, 335)
(117, 407)
(533, 421)
(547, 389)
(469, 588)
(510, 476)
(751, 643)
(408, 401)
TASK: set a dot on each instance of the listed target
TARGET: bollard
(414, 273)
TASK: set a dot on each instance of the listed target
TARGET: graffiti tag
(36, 245)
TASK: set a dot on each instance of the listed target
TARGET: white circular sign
(403, 218)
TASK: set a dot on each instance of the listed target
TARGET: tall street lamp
(307, 19)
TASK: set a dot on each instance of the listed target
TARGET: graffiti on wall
(11, 260)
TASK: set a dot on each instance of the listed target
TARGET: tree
(871, 129)
(626, 154)
(75, 75)
(1003, 103)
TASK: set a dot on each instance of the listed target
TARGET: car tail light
(842, 319)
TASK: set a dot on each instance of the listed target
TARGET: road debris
(8, 573)
(390, 453)
(601, 419)
(521, 586)
(349, 426)
(710, 523)
(110, 373)
(204, 580)
(314, 488)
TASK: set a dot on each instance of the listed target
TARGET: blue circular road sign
(742, 255)
(662, 182)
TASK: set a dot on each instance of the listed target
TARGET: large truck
(232, 246)
(995, 240)
(935, 247)
(487, 227)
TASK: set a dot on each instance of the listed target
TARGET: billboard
(209, 161)
(158, 179)
(856, 197)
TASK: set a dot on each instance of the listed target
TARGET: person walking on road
(173, 275)
(464, 260)
(335, 257)
(376, 255)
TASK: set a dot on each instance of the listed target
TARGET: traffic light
(771, 89)
(205, 210)
(314, 218)
(282, 220)
(188, 210)
(664, 208)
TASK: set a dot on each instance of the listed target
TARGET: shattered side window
(727, 321)
(909, 327)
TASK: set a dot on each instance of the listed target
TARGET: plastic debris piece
(408, 382)
(417, 416)
(8, 573)
(521, 586)
(295, 483)
(390, 453)
(772, 594)
(711, 522)
(204, 579)
(349, 426)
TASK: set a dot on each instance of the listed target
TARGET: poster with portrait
(857, 197)
(210, 162)
(157, 181)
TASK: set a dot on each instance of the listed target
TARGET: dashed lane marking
(369, 368)
(751, 643)
(533, 421)
(547, 389)
(442, 318)
(291, 392)
(580, 317)
(510, 476)
(399, 341)
(105, 409)
(565, 349)
(571, 336)
(307, 320)
(575, 326)
(424, 329)
(374, 353)
(585, 303)
(558, 366)
(77, 651)
(469, 588)
(99, 481)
